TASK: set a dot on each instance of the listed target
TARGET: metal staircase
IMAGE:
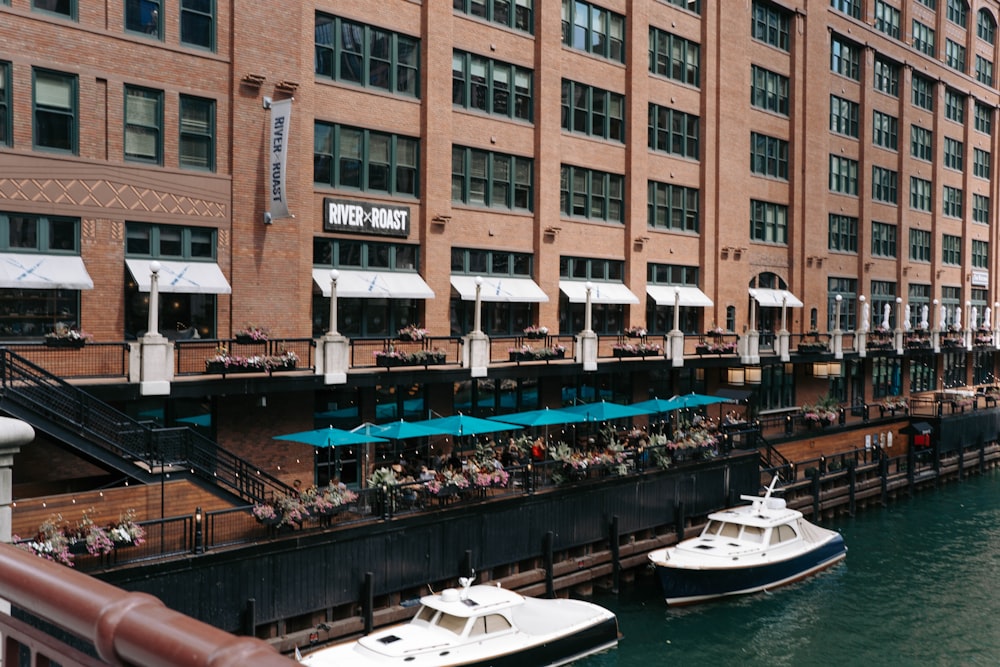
(114, 440)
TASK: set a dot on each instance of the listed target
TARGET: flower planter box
(219, 367)
(409, 337)
(535, 336)
(535, 356)
(244, 339)
(74, 343)
(633, 353)
(392, 362)
(918, 344)
(812, 348)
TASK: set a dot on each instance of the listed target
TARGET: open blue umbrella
(459, 425)
(330, 437)
(694, 400)
(659, 405)
(543, 417)
(605, 411)
(197, 420)
(399, 430)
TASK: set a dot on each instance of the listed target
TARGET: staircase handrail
(50, 397)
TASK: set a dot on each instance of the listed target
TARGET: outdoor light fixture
(737, 377)
(752, 374)
(820, 369)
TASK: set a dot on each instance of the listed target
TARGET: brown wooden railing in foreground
(124, 628)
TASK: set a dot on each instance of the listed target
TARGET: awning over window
(180, 277)
(693, 297)
(374, 284)
(602, 292)
(506, 290)
(29, 271)
(774, 298)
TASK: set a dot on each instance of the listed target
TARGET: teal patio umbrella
(605, 411)
(543, 417)
(459, 425)
(402, 430)
(330, 437)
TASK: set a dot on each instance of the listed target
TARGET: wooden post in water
(550, 586)
(961, 463)
(883, 471)
(679, 520)
(616, 563)
(368, 602)
(852, 487)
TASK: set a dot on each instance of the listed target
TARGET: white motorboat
(746, 549)
(481, 625)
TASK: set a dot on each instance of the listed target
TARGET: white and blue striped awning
(34, 271)
(180, 277)
(499, 289)
(374, 284)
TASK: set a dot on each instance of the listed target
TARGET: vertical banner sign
(281, 116)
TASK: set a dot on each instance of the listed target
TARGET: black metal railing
(45, 396)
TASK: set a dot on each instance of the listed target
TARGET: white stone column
(783, 335)
(838, 333)
(476, 354)
(676, 336)
(14, 434)
(335, 350)
(586, 340)
(155, 352)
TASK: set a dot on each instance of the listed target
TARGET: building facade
(745, 163)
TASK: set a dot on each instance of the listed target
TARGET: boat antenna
(465, 582)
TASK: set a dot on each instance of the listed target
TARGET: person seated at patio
(426, 474)
(538, 450)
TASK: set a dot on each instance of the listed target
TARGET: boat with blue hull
(482, 626)
(746, 549)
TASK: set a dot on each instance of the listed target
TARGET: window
(143, 16)
(769, 24)
(980, 254)
(920, 245)
(958, 12)
(850, 7)
(951, 250)
(367, 56)
(923, 93)
(366, 160)
(593, 29)
(886, 18)
(845, 58)
(593, 111)
(919, 296)
(884, 293)
(951, 300)
(884, 185)
(491, 86)
(984, 70)
(843, 175)
(55, 101)
(169, 241)
(986, 26)
(984, 118)
(353, 253)
(497, 318)
(952, 202)
(660, 317)
(768, 222)
(920, 194)
(883, 239)
(64, 7)
(674, 57)
(920, 143)
(606, 318)
(592, 194)
(923, 38)
(673, 131)
(198, 23)
(981, 209)
(954, 105)
(143, 124)
(843, 233)
(690, 5)
(981, 163)
(197, 130)
(498, 11)
(843, 116)
(885, 130)
(886, 76)
(673, 207)
(953, 152)
(768, 90)
(5, 123)
(25, 233)
(483, 178)
(768, 156)
(847, 288)
(954, 55)
(928, 3)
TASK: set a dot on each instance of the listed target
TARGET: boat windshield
(425, 614)
(782, 533)
(485, 625)
(451, 622)
(753, 534)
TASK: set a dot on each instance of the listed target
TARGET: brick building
(763, 157)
